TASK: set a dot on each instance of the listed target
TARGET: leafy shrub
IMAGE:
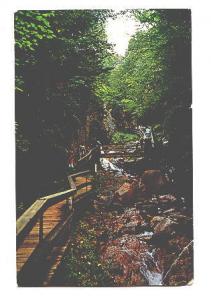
(121, 137)
(81, 265)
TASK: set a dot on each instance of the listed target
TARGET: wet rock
(184, 224)
(169, 211)
(142, 228)
(180, 266)
(177, 280)
(118, 207)
(152, 182)
(177, 216)
(147, 208)
(131, 221)
(155, 220)
(126, 192)
(162, 224)
(133, 261)
(165, 225)
(180, 223)
(160, 239)
(167, 198)
(116, 224)
(169, 218)
(105, 200)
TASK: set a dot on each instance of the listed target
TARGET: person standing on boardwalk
(71, 160)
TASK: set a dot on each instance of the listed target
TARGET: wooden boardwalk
(43, 231)
(53, 215)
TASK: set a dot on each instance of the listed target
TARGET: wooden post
(86, 183)
(70, 203)
(41, 229)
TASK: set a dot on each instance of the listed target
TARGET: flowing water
(149, 261)
(148, 265)
(153, 278)
(109, 166)
(150, 269)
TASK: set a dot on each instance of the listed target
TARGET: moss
(122, 137)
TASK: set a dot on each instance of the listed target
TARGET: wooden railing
(35, 212)
(121, 150)
(89, 159)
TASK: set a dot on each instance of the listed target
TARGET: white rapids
(153, 277)
(109, 166)
(148, 265)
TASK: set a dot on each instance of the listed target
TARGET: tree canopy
(152, 83)
(155, 68)
(58, 56)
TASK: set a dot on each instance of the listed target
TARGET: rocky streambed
(126, 239)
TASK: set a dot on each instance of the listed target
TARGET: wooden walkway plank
(53, 216)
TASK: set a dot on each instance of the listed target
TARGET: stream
(107, 165)
(128, 239)
(148, 253)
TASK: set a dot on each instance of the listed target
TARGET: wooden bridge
(135, 150)
(43, 230)
(129, 150)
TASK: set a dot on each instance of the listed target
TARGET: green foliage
(138, 82)
(59, 55)
(32, 26)
(153, 72)
(81, 266)
(152, 83)
(122, 137)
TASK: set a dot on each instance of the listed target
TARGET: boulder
(152, 182)
(126, 192)
(146, 209)
(155, 220)
(167, 198)
(131, 221)
(162, 224)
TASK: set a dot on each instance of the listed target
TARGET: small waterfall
(109, 166)
(150, 269)
(135, 247)
(153, 278)
(149, 265)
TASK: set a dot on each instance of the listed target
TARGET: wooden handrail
(80, 173)
(29, 218)
(35, 213)
(87, 155)
(120, 146)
